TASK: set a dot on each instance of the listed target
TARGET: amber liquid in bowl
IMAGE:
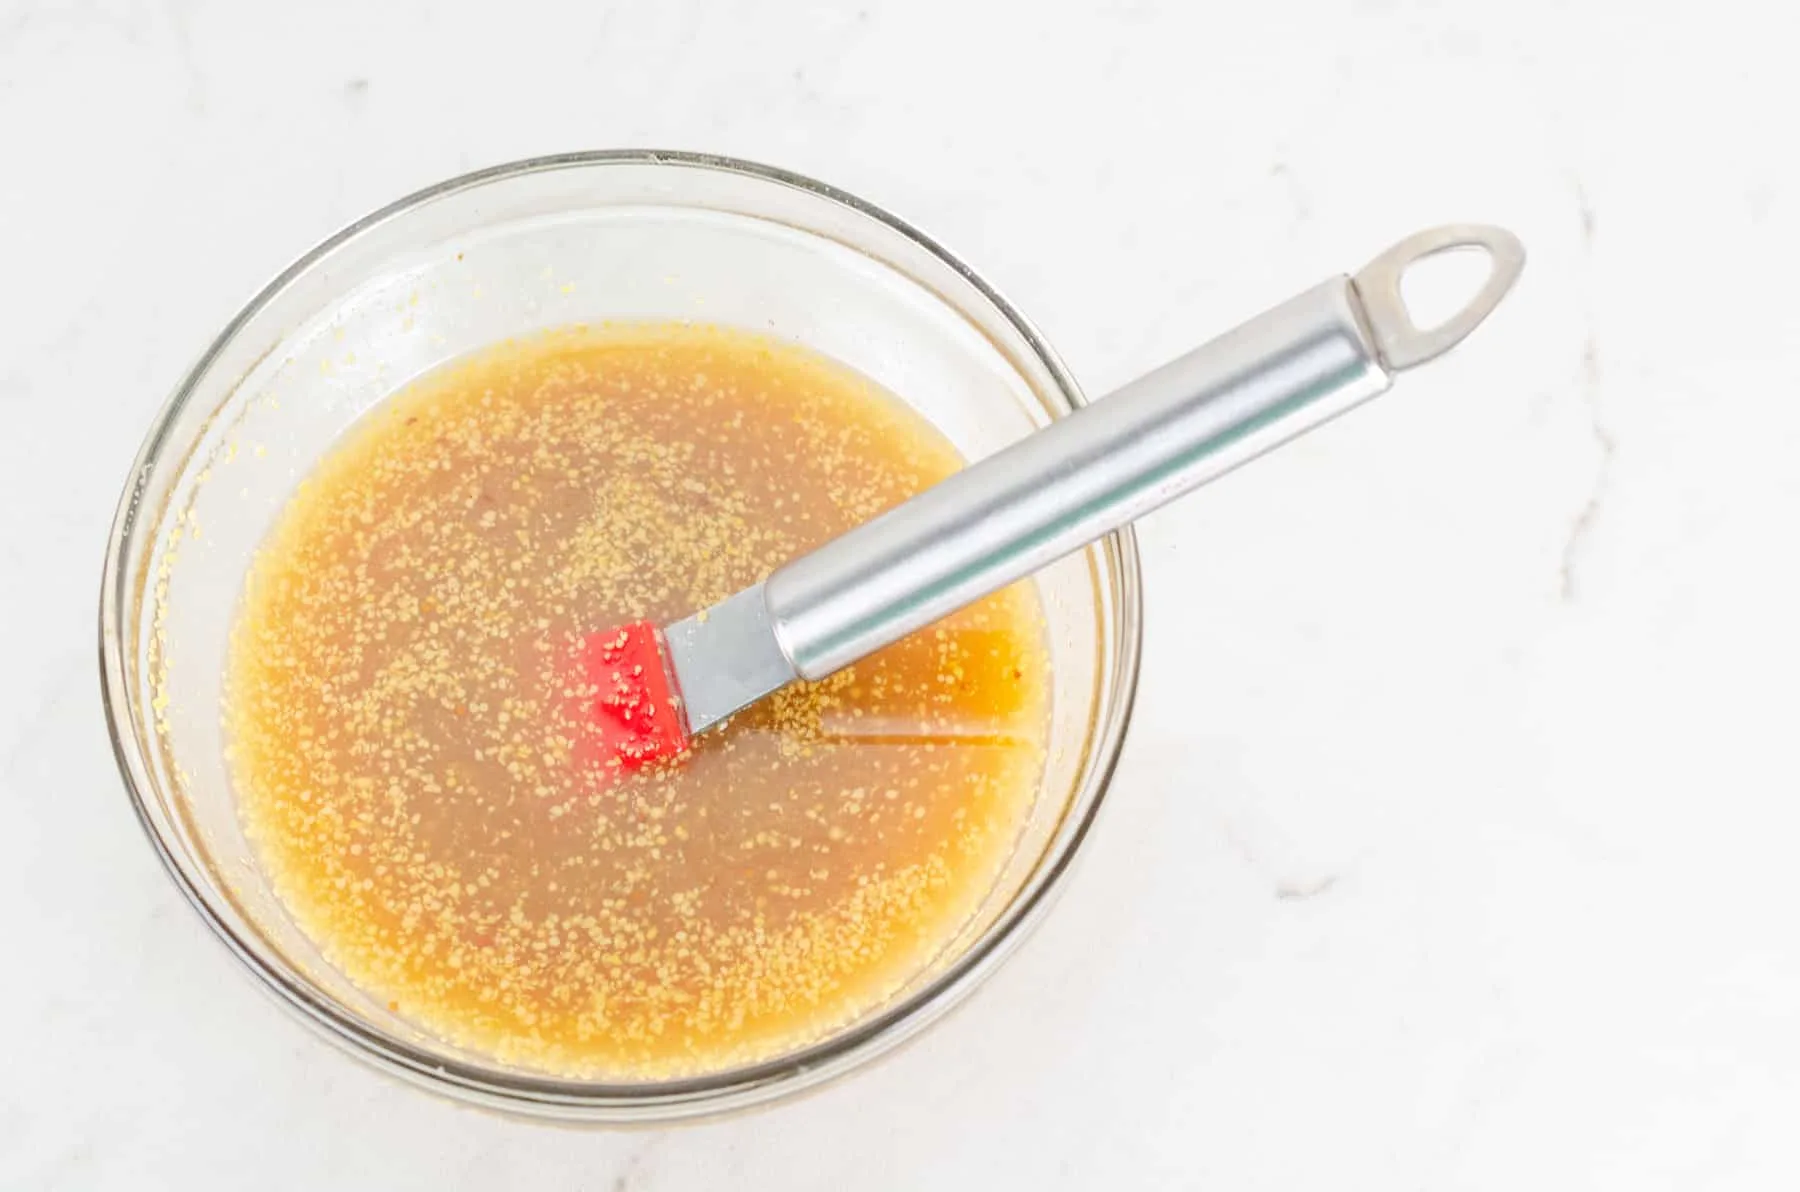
(408, 765)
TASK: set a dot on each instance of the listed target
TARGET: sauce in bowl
(408, 766)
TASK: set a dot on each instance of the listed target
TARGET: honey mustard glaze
(406, 761)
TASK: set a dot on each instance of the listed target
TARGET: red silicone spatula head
(631, 703)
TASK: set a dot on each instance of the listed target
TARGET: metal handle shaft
(1081, 477)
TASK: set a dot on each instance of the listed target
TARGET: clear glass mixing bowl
(556, 240)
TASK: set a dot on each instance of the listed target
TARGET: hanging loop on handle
(1397, 337)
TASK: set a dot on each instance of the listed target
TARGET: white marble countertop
(1453, 846)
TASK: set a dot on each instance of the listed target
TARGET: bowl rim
(540, 1094)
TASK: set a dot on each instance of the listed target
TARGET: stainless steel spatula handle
(1279, 375)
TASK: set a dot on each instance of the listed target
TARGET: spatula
(1277, 376)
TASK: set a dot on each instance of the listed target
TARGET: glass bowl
(557, 240)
